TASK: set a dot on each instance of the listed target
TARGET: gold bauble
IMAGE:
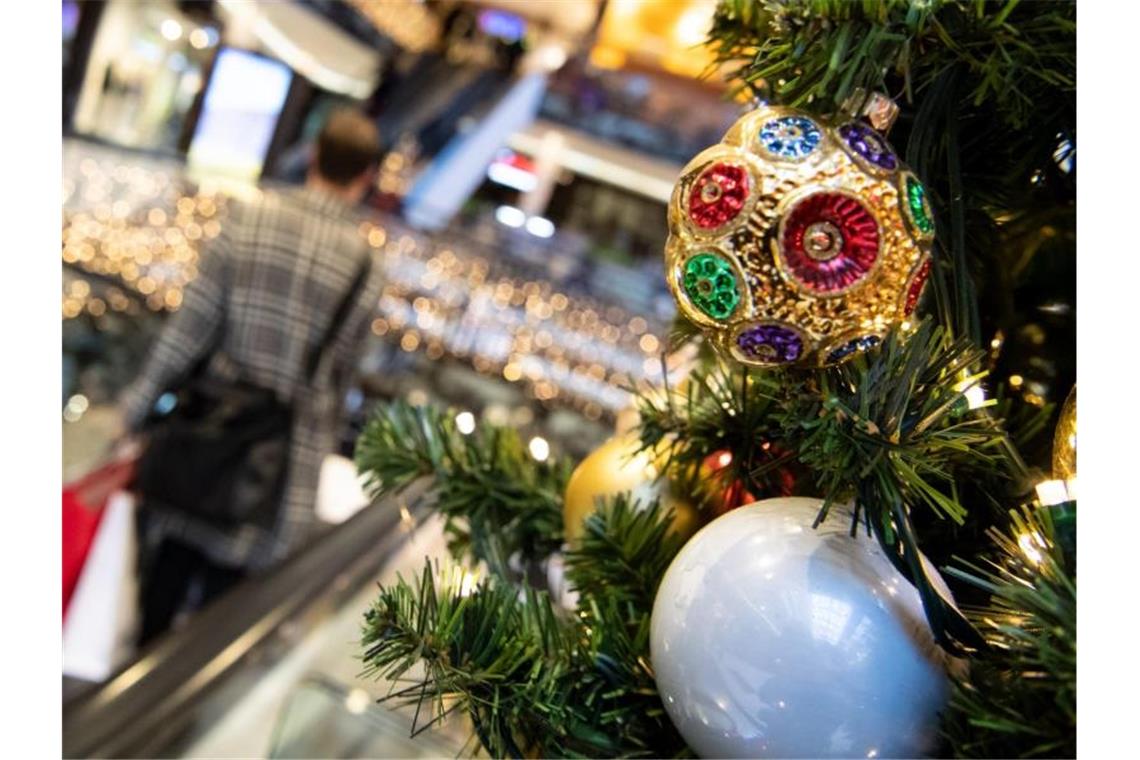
(616, 467)
(793, 242)
(1065, 440)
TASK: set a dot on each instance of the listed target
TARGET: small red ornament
(727, 493)
(734, 494)
(780, 481)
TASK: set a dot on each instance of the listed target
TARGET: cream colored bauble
(771, 639)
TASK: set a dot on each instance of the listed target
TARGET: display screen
(505, 26)
(243, 101)
(70, 18)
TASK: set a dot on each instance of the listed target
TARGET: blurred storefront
(537, 141)
(519, 217)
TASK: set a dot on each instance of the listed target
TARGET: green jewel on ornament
(918, 207)
(711, 285)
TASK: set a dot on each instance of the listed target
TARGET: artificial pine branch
(487, 651)
(1016, 56)
(990, 130)
(532, 680)
(898, 412)
(623, 553)
(497, 500)
(1020, 699)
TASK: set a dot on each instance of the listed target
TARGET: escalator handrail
(156, 693)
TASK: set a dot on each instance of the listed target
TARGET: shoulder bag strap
(338, 319)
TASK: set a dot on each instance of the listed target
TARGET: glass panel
(323, 719)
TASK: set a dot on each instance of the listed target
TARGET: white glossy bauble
(771, 639)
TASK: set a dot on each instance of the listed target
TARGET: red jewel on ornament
(917, 283)
(829, 242)
(718, 195)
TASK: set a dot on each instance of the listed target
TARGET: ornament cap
(880, 110)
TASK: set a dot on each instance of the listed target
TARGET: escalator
(272, 668)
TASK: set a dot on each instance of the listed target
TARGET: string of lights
(142, 227)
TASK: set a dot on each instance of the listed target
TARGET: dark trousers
(179, 578)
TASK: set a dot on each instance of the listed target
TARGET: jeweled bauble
(917, 208)
(769, 344)
(792, 242)
(852, 347)
(771, 639)
(829, 242)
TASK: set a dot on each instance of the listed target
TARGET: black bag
(221, 454)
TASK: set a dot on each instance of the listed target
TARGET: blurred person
(282, 273)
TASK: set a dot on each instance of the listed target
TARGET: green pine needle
(497, 500)
(1020, 699)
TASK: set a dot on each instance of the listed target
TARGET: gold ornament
(1065, 440)
(791, 242)
(616, 467)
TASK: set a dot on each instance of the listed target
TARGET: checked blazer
(266, 292)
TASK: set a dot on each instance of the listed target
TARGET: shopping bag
(99, 632)
(340, 490)
(83, 504)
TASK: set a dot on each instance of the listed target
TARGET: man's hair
(348, 146)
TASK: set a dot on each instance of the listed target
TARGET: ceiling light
(171, 29)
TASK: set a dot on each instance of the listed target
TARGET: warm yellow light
(606, 57)
(468, 582)
(171, 29)
(975, 396)
(693, 25)
(1050, 492)
(199, 39)
(1031, 545)
(410, 342)
(539, 448)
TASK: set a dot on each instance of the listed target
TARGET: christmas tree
(928, 435)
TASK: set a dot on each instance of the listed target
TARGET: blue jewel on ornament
(859, 344)
(790, 137)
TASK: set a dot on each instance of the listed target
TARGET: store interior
(525, 215)
(519, 215)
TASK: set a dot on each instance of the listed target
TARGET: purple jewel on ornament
(770, 343)
(869, 145)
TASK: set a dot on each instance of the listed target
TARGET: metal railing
(146, 707)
